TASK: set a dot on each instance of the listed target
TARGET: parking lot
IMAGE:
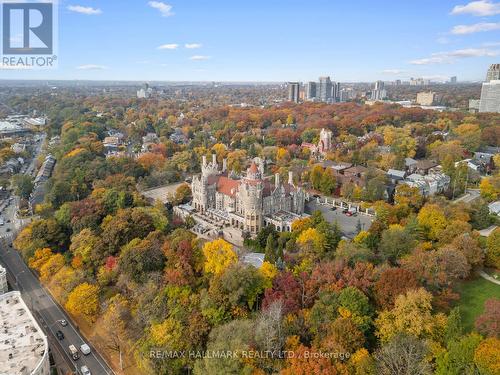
(347, 224)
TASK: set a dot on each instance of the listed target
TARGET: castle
(248, 203)
(324, 145)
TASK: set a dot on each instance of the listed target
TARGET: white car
(85, 349)
(85, 370)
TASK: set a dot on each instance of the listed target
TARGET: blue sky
(273, 40)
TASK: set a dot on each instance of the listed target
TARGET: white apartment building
(490, 97)
(24, 349)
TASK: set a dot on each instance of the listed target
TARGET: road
(47, 310)
(42, 305)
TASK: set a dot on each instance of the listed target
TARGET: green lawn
(473, 293)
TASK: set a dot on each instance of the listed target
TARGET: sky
(273, 40)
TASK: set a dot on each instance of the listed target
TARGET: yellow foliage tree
(412, 314)
(282, 156)
(169, 332)
(311, 239)
(488, 191)
(51, 266)
(40, 257)
(487, 356)
(84, 300)
(431, 218)
(301, 224)
(220, 150)
(269, 272)
(219, 255)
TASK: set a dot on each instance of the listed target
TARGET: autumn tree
(219, 255)
(396, 242)
(84, 300)
(412, 314)
(432, 220)
(488, 323)
(487, 356)
(459, 358)
(403, 355)
(114, 324)
(392, 283)
(493, 249)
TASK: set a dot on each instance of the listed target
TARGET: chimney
(290, 177)
(204, 160)
(224, 165)
(276, 180)
(214, 158)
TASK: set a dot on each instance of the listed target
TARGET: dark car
(315, 195)
(333, 208)
(60, 335)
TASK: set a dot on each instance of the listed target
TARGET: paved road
(48, 311)
(42, 305)
(469, 196)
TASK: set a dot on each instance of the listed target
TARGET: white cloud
(168, 46)
(480, 8)
(475, 28)
(443, 40)
(84, 10)
(452, 56)
(393, 71)
(491, 44)
(91, 67)
(199, 58)
(192, 45)
(165, 9)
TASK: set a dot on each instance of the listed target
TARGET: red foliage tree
(488, 323)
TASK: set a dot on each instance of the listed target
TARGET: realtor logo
(28, 34)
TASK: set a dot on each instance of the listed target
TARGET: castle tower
(325, 140)
(250, 195)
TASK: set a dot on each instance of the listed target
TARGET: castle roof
(253, 168)
(227, 186)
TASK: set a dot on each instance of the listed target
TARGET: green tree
(23, 185)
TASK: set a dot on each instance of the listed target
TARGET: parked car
(74, 353)
(333, 208)
(85, 370)
(63, 322)
(85, 349)
(60, 335)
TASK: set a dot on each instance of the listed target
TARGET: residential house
(425, 166)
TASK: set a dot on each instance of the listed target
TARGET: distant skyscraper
(324, 92)
(379, 85)
(490, 96)
(493, 73)
(344, 95)
(398, 82)
(379, 93)
(311, 90)
(335, 97)
(453, 80)
(293, 91)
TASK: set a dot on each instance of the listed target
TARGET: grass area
(473, 293)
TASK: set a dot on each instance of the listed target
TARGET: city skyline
(149, 41)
